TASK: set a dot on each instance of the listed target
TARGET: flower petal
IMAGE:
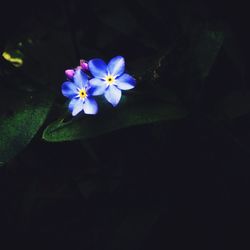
(75, 106)
(113, 95)
(80, 78)
(126, 82)
(98, 86)
(98, 68)
(116, 66)
(69, 89)
(90, 106)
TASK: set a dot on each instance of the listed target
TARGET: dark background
(168, 185)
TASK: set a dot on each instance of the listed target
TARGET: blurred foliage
(14, 57)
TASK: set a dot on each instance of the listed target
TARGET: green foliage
(202, 46)
(26, 115)
(134, 111)
(204, 52)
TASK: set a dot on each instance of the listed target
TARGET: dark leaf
(137, 110)
(24, 115)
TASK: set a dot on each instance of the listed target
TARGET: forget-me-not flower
(110, 79)
(79, 91)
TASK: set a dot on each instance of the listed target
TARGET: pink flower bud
(84, 65)
(69, 73)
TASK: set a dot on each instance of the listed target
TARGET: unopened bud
(69, 73)
(84, 65)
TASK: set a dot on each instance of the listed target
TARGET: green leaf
(204, 48)
(24, 115)
(198, 53)
(233, 105)
(206, 51)
(137, 110)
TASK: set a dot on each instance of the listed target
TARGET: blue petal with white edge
(113, 95)
(80, 78)
(98, 86)
(90, 106)
(116, 66)
(98, 68)
(75, 106)
(69, 89)
(126, 82)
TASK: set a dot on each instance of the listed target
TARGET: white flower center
(109, 79)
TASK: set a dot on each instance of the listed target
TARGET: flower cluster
(95, 78)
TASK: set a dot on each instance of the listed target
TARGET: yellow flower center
(82, 93)
(110, 80)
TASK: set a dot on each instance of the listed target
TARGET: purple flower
(79, 91)
(84, 65)
(110, 79)
(69, 73)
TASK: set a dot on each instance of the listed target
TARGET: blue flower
(110, 79)
(79, 91)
